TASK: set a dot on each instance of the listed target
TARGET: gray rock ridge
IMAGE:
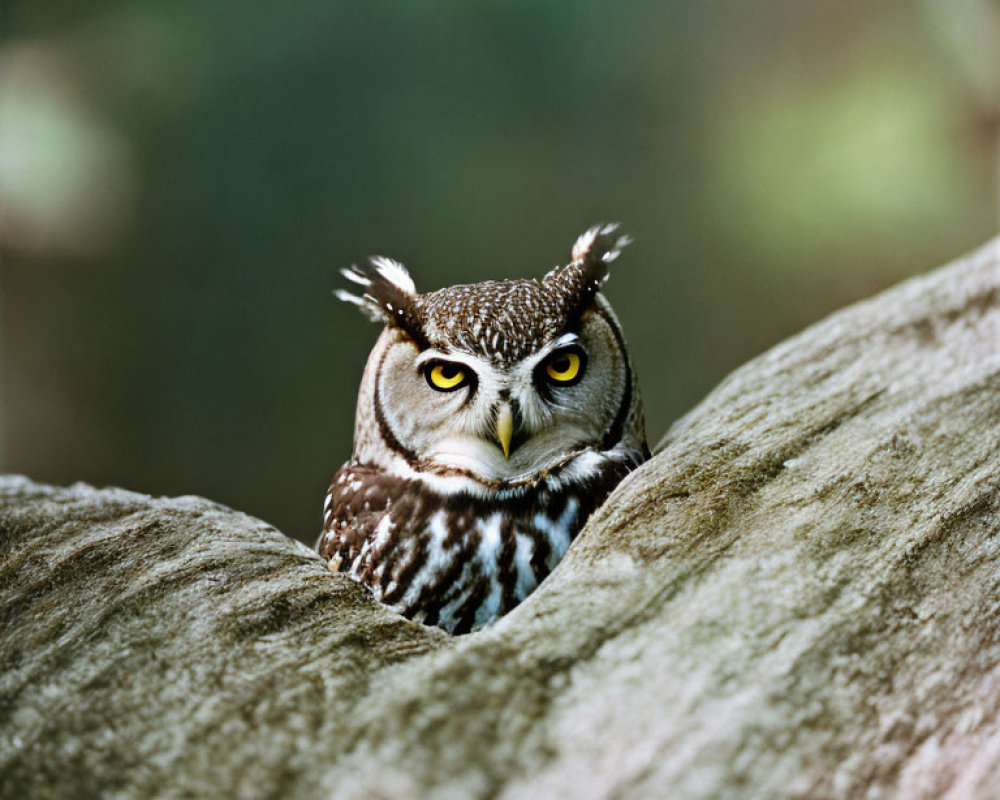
(797, 597)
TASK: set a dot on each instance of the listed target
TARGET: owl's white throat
(571, 468)
(480, 457)
(475, 467)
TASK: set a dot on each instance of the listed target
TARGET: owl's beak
(505, 429)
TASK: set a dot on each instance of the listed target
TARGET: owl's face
(499, 419)
(496, 382)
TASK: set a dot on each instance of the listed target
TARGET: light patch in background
(875, 152)
(67, 181)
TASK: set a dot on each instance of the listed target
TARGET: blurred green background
(181, 179)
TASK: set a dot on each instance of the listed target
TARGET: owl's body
(492, 420)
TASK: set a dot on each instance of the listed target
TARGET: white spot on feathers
(522, 562)
(558, 530)
(395, 273)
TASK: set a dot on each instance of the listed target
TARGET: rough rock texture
(798, 597)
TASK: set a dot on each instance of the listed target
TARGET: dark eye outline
(542, 377)
(468, 376)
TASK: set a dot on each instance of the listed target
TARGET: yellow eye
(564, 367)
(445, 377)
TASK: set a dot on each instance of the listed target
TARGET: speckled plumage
(445, 512)
(459, 564)
(502, 320)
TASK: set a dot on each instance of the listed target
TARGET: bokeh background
(181, 179)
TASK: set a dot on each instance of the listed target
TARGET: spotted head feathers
(501, 320)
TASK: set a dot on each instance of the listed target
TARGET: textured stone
(799, 596)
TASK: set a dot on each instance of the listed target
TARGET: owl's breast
(458, 561)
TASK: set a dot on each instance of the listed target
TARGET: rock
(797, 597)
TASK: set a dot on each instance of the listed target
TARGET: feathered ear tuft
(389, 293)
(592, 255)
(595, 249)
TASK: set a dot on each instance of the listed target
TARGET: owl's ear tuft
(596, 248)
(390, 296)
(592, 254)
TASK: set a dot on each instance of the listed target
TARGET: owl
(492, 419)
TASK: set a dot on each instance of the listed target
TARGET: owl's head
(497, 383)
